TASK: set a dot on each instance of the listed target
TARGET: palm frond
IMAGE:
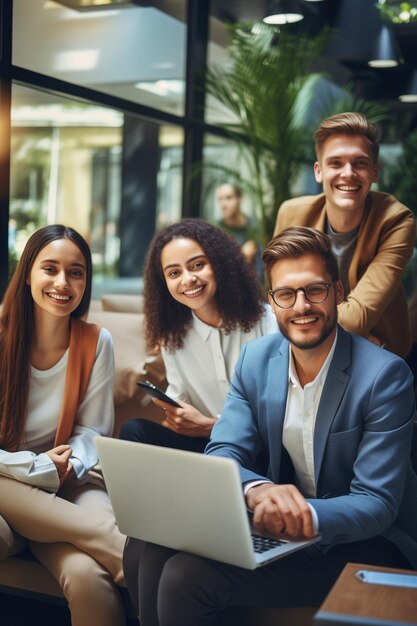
(267, 88)
(346, 100)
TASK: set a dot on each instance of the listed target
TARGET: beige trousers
(75, 536)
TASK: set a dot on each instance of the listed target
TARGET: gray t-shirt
(343, 246)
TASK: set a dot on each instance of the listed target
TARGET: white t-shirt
(95, 417)
(200, 372)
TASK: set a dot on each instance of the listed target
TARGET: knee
(178, 573)
(184, 594)
(82, 584)
(134, 430)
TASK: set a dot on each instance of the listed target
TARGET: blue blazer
(362, 440)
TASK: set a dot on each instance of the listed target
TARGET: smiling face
(190, 278)
(347, 170)
(58, 278)
(306, 325)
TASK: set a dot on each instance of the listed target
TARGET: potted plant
(268, 88)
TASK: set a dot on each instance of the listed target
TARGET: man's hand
(60, 456)
(280, 509)
(186, 420)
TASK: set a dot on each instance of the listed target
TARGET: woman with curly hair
(202, 303)
(56, 379)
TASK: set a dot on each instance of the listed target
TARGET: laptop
(185, 501)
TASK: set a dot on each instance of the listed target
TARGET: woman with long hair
(56, 375)
(202, 303)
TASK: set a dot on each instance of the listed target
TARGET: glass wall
(69, 162)
(219, 153)
(65, 168)
(168, 208)
(135, 53)
(104, 131)
(217, 57)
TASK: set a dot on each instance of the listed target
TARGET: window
(68, 161)
(135, 53)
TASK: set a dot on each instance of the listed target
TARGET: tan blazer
(376, 306)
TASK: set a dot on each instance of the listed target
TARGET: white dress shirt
(300, 420)
(298, 429)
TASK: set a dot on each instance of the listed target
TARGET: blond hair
(350, 123)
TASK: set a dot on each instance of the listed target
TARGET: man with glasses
(319, 422)
(372, 234)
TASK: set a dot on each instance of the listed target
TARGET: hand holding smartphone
(155, 392)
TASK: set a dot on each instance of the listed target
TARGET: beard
(313, 342)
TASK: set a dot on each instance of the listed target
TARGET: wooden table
(351, 601)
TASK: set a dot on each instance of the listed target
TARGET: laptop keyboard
(262, 544)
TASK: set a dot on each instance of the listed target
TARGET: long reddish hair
(16, 332)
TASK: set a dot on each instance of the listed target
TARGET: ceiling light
(284, 12)
(410, 93)
(162, 87)
(385, 51)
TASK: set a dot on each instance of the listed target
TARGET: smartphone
(155, 392)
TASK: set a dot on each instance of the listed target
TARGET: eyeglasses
(315, 293)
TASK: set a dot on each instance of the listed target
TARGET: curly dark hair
(238, 296)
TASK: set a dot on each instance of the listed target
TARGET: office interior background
(106, 125)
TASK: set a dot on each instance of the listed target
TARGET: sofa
(122, 315)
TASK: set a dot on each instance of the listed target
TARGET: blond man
(372, 234)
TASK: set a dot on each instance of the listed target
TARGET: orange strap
(81, 359)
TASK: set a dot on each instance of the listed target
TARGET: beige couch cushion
(122, 303)
(95, 305)
(132, 360)
(132, 363)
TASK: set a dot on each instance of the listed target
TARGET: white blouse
(200, 372)
(95, 417)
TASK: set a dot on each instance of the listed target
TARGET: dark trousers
(145, 431)
(180, 589)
